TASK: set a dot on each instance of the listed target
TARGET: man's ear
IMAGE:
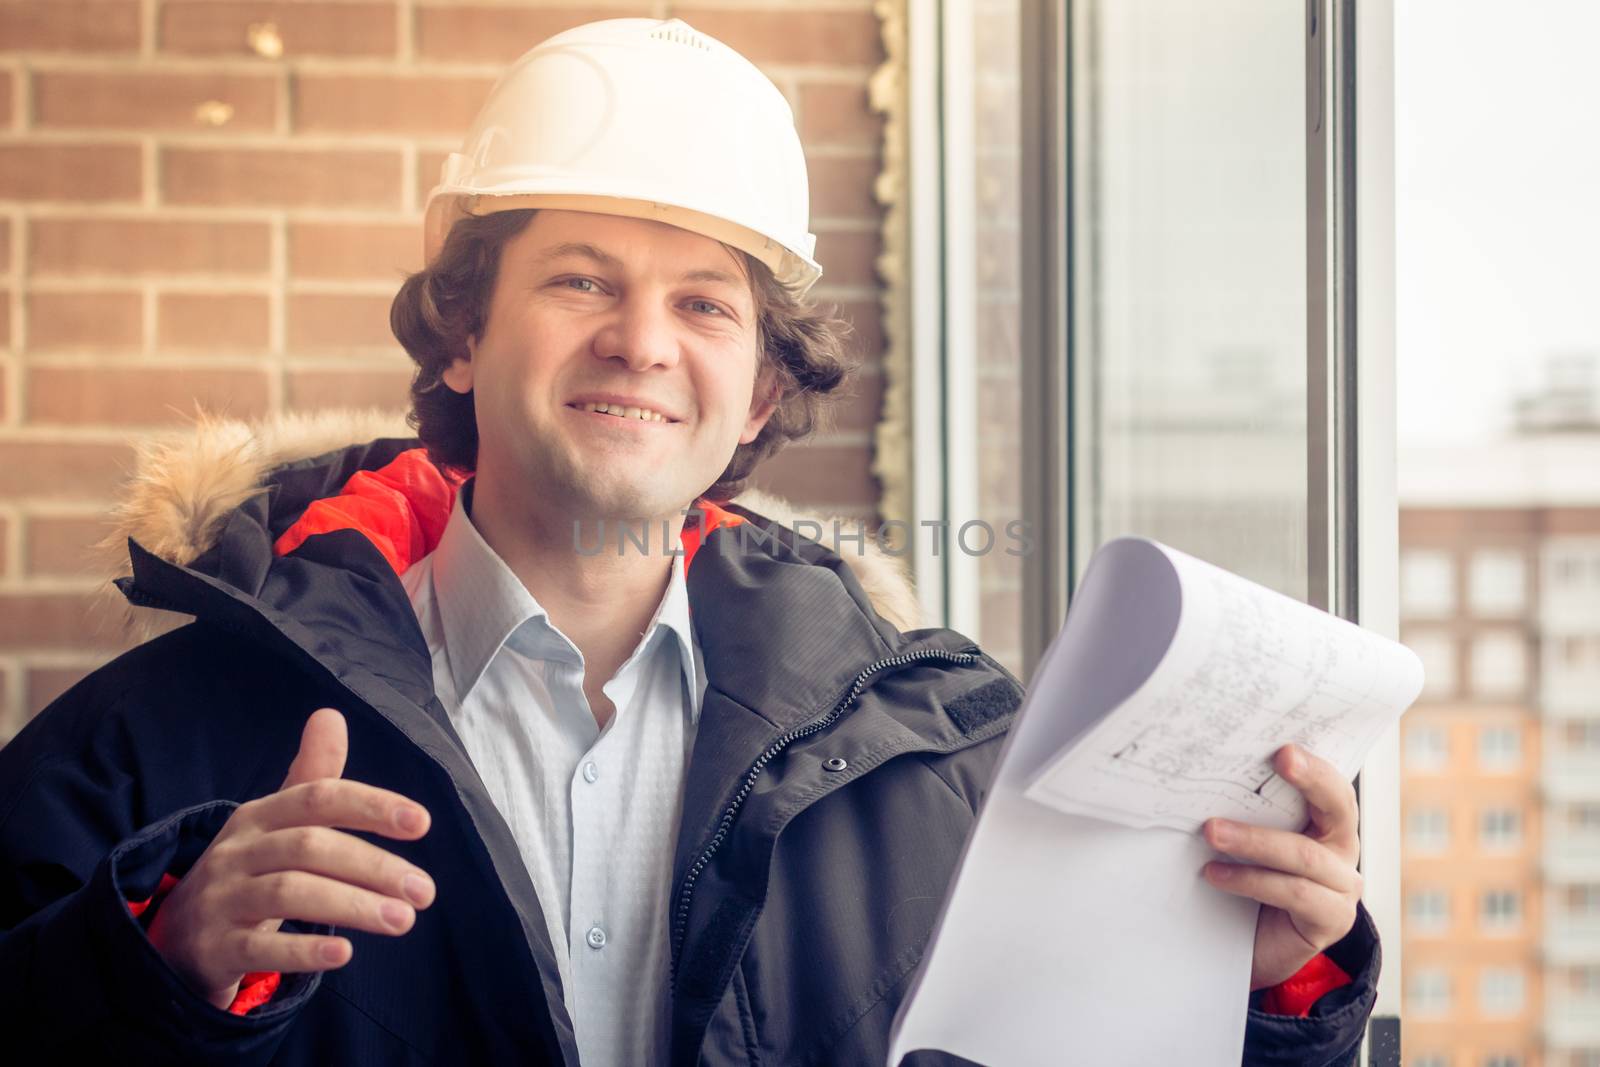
(763, 402)
(458, 375)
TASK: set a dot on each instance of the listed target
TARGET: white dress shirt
(594, 812)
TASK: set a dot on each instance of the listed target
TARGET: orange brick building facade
(210, 202)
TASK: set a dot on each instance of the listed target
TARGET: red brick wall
(213, 201)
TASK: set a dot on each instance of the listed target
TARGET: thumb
(323, 746)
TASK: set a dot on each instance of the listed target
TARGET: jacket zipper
(686, 892)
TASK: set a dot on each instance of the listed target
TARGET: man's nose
(644, 334)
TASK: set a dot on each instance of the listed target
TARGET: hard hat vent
(681, 34)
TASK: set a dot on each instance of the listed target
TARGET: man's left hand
(1307, 882)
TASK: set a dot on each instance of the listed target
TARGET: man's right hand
(279, 857)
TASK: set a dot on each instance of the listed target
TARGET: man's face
(593, 310)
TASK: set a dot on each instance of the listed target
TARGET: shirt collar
(482, 603)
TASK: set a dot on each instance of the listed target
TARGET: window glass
(1501, 990)
(1428, 991)
(1437, 651)
(1499, 667)
(1501, 910)
(1428, 830)
(1428, 911)
(1495, 581)
(1499, 748)
(1427, 582)
(1500, 829)
(1427, 747)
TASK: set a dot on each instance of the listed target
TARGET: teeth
(621, 412)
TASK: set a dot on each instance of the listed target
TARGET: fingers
(338, 802)
(249, 950)
(324, 744)
(1330, 797)
(336, 855)
(1320, 915)
(314, 899)
(1284, 850)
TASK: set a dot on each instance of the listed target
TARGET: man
(685, 799)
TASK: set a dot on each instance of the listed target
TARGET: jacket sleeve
(1330, 1035)
(78, 977)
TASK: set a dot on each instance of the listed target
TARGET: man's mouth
(623, 411)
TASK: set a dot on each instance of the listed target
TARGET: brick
(339, 320)
(867, 341)
(63, 546)
(212, 320)
(832, 475)
(57, 620)
(281, 178)
(859, 409)
(62, 470)
(842, 188)
(428, 166)
(842, 38)
(142, 396)
(70, 172)
(354, 251)
(5, 323)
(313, 390)
(848, 257)
(222, 27)
(152, 100)
(378, 103)
(5, 540)
(833, 114)
(69, 25)
(7, 96)
(5, 246)
(148, 246)
(44, 684)
(501, 33)
(85, 320)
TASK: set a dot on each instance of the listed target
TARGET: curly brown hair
(445, 303)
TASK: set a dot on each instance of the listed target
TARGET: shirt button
(590, 772)
(596, 937)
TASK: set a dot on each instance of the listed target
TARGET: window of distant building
(1584, 818)
(1427, 911)
(1495, 582)
(1503, 1059)
(1583, 734)
(1501, 991)
(1500, 748)
(1427, 747)
(1501, 910)
(1586, 981)
(1500, 829)
(1428, 830)
(1427, 583)
(1584, 899)
(1499, 666)
(1428, 991)
(1588, 1057)
(1437, 651)
(1431, 1059)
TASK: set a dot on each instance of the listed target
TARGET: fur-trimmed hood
(187, 482)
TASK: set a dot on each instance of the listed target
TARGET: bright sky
(1497, 171)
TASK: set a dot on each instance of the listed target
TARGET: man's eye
(705, 306)
(583, 285)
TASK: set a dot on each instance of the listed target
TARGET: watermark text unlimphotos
(893, 537)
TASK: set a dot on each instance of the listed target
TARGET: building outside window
(1428, 991)
(1427, 583)
(1500, 829)
(1499, 748)
(1495, 582)
(1500, 910)
(1501, 991)
(1427, 747)
(1504, 1059)
(1437, 650)
(1428, 911)
(1428, 830)
(1499, 666)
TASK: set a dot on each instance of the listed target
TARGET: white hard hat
(644, 118)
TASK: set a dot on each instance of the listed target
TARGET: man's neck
(589, 574)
